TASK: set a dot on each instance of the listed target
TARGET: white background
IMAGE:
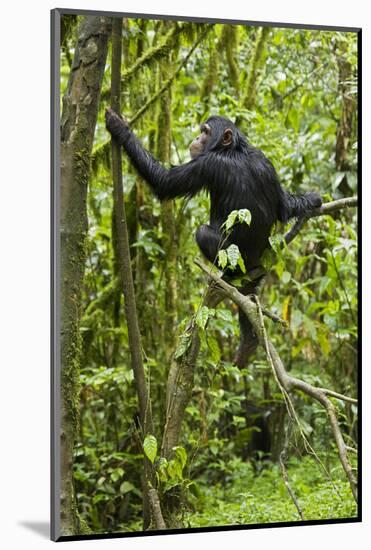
(24, 288)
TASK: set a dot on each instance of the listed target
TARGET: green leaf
(225, 315)
(184, 343)
(100, 496)
(214, 349)
(296, 319)
(244, 216)
(222, 258)
(203, 315)
(267, 259)
(117, 474)
(352, 180)
(277, 242)
(324, 343)
(293, 118)
(241, 216)
(286, 276)
(150, 447)
(233, 255)
(126, 487)
(241, 264)
(181, 455)
(231, 220)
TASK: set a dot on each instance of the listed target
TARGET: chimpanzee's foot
(245, 350)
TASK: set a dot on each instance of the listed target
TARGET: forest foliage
(293, 93)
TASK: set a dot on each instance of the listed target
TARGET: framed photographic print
(205, 288)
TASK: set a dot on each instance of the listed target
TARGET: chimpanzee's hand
(315, 199)
(115, 123)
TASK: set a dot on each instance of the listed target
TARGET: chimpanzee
(237, 176)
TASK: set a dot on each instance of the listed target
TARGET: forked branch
(286, 382)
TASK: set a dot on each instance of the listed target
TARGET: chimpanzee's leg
(248, 338)
(248, 341)
(209, 241)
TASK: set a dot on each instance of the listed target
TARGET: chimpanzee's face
(198, 145)
(213, 136)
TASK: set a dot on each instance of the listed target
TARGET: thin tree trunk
(123, 263)
(211, 77)
(80, 109)
(229, 41)
(181, 380)
(249, 99)
(169, 233)
(123, 259)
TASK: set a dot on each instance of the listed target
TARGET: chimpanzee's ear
(227, 137)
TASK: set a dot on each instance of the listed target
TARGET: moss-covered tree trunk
(169, 231)
(181, 379)
(255, 68)
(80, 109)
(125, 275)
(229, 42)
(211, 77)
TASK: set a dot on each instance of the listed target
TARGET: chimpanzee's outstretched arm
(166, 184)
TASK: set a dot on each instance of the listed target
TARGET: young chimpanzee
(236, 175)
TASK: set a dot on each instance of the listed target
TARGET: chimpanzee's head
(217, 134)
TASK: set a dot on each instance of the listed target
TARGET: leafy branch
(170, 80)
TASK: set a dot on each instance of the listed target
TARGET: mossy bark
(79, 116)
(125, 276)
(181, 380)
(211, 78)
(229, 42)
(255, 68)
(169, 231)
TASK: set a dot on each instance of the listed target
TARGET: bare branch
(274, 317)
(325, 209)
(339, 396)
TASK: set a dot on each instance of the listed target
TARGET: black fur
(236, 176)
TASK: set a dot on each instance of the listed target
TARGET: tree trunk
(169, 232)
(181, 380)
(80, 109)
(255, 68)
(229, 42)
(125, 276)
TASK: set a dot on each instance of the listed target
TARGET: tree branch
(339, 396)
(170, 80)
(285, 381)
(153, 54)
(325, 209)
